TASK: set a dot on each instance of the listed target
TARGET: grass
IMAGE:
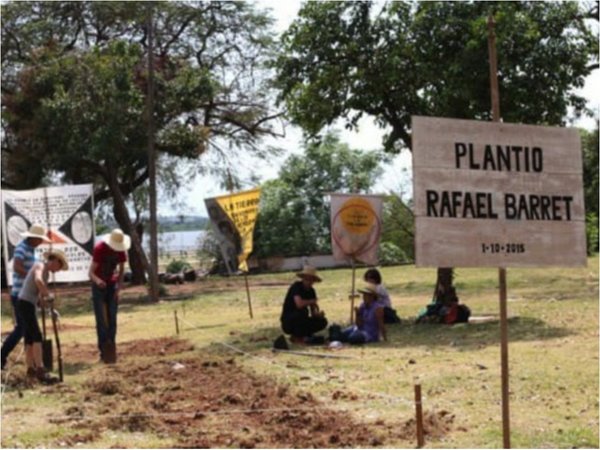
(553, 354)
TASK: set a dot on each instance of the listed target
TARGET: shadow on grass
(462, 337)
(468, 336)
(75, 368)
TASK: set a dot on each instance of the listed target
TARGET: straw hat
(58, 254)
(309, 271)
(37, 232)
(118, 241)
(369, 288)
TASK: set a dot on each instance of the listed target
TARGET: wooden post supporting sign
(495, 98)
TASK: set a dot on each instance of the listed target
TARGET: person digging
(106, 274)
(35, 292)
(301, 316)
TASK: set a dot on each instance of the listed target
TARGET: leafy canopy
(346, 59)
(294, 213)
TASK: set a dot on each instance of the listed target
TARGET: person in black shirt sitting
(301, 316)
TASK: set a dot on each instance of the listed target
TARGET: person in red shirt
(106, 273)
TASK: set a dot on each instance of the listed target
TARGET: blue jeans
(353, 335)
(103, 298)
(17, 333)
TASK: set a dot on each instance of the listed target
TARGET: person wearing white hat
(301, 316)
(23, 260)
(106, 274)
(35, 293)
(369, 315)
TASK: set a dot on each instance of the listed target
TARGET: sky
(397, 174)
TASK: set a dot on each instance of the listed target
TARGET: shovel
(57, 339)
(109, 349)
(46, 345)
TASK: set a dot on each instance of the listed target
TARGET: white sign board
(490, 194)
(356, 227)
(66, 212)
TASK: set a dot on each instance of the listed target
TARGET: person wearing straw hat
(23, 260)
(106, 274)
(35, 292)
(301, 316)
(369, 315)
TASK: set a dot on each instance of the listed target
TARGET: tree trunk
(140, 261)
(138, 275)
(445, 280)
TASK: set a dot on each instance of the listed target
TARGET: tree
(398, 226)
(294, 214)
(589, 145)
(74, 87)
(344, 60)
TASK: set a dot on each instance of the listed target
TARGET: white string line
(312, 377)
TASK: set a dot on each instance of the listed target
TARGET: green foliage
(591, 168)
(294, 214)
(345, 59)
(390, 254)
(398, 226)
(178, 266)
(592, 232)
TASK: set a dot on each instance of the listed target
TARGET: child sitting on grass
(369, 320)
(389, 314)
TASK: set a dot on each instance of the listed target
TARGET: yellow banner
(242, 209)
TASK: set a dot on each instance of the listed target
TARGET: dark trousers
(16, 334)
(31, 327)
(301, 325)
(106, 318)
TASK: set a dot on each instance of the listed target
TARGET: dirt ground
(204, 401)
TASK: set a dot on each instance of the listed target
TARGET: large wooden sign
(496, 194)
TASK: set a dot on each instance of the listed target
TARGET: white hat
(37, 232)
(58, 254)
(309, 272)
(370, 289)
(118, 241)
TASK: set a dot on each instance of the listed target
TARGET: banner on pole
(355, 227)
(491, 194)
(67, 212)
(233, 218)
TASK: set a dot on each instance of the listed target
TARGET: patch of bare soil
(125, 350)
(208, 402)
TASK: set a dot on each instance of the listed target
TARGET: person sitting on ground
(444, 308)
(35, 292)
(389, 314)
(301, 316)
(23, 259)
(369, 325)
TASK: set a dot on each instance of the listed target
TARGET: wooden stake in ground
(248, 295)
(176, 322)
(419, 416)
(495, 98)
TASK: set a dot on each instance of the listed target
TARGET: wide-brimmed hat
(369, 288)
(118, 241)
(58, 254)
(37, 232)
(309, 271)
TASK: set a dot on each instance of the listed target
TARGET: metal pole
(419, 416)
(495, 98)
(152, 161)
